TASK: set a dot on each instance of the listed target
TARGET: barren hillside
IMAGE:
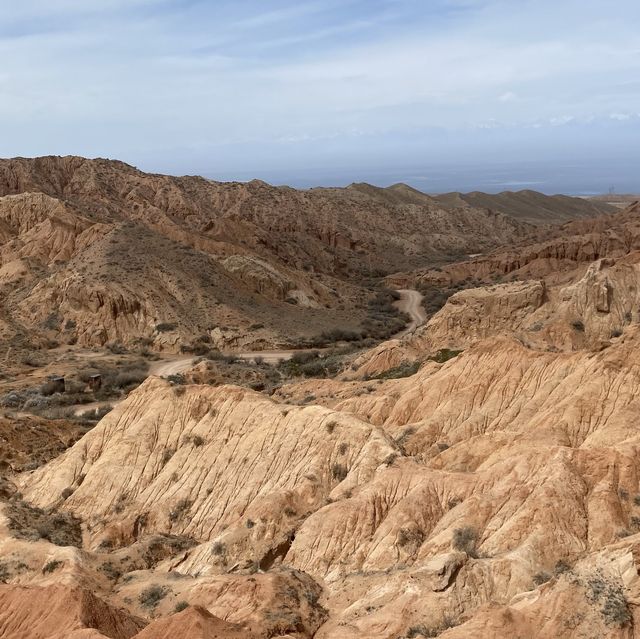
(97, 252)
(476, 476)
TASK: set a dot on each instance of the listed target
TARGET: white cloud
(313, 73)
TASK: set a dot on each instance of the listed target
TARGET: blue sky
(442, 94)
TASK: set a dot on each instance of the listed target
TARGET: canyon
(456, 457)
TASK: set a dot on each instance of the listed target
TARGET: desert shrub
(218, 548)
(67, 492)
(32, 359)
(70, 325)
(180, 606)
(578, 325)
(562, 566)
(304, 357)
(197, 348)
(616, 332)
(339, 472)
(541, 578)
(150, 597)
(610, 595)
(406, 369)
(52, 322)
(13, 399)
(465, 539)
(196, 440)
(129, 379)
(180, 510)
(165, 327)
(111, 571)
(444, 355)
(51, 566)
(32, 523)
(404, 437)
(407, 537)
(117, 349)
(421, 630)
(178, 379)
(250, 523)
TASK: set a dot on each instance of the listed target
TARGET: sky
(440, 94)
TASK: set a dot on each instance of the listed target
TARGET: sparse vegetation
(444, 355)
(32, 523)
(339, 472)
(51, 566)
(166, 327)
(610, 596)
(152, 596)
(541, 578)
(406, 369)
(180, 606)
(195, 440)
(422, 630)
(218, 548)
(562, 566)
(465, 540)
(179, 510)
(409, 537)
(111, 571)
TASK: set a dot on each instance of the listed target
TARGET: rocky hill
(95, 252)
(476, 477)
(530, 206)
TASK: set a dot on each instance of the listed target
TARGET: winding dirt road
(410, 302)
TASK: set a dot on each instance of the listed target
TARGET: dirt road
(410, 302)
(171, 366)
